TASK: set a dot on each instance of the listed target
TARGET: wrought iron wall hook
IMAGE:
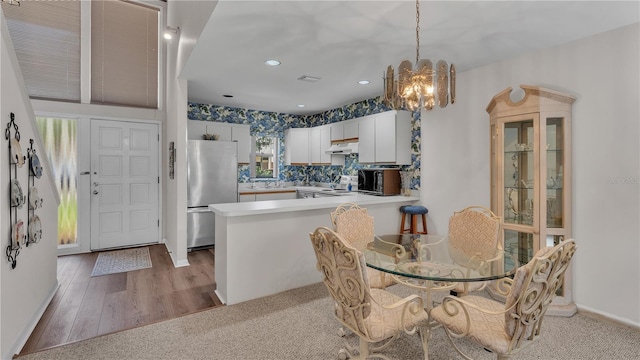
(34, 230)
(15, 238)
(12, 254)
(12, 123)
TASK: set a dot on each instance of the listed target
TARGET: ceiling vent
(308, 78)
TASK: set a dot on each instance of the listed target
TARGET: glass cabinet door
(519, 180)
(554, 178)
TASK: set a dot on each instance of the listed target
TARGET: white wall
(190, 17)
(27, 289)
(603, 72)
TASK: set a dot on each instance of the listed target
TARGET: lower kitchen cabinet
(271, 195)
(276, 195)
(247, 197)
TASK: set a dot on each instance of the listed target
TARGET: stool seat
(413, 211)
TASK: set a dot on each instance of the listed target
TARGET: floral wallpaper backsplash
(264, 123)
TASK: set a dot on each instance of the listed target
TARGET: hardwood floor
(85, 306)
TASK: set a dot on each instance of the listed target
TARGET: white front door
(124, 184)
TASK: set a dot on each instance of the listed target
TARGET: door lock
(95, 192)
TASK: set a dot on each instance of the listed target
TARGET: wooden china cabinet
(531, 175)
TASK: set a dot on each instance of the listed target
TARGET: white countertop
(261, 190)
(247, 189)
(279, 206)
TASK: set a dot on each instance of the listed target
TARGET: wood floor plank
(88, 317)
(113, 314)
(67, 267)
(59, 327)
(85, 306)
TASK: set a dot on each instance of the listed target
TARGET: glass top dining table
(431, 258)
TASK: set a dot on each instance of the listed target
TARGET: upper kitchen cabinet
(385, 138)
(296, 146)
(350, 130)
(531, 175)
(344, 131)
(241, 134)
(225, 132)
(319, 143)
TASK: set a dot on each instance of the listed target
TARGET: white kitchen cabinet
(268, 195)
(296, 146)
(226, 131)
(195, 129)
(350, 131)
(247, 197)
(319, 143)
(240, 133)
(221, 129)
(367, 142)
(344, 131)
(278, 195)
(337, 131)
(385, 138)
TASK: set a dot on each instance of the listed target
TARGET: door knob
(95, 192)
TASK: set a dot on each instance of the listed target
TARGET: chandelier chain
(417, 31)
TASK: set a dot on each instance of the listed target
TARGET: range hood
(343, 148)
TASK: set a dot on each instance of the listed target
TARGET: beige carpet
(117, 261)
(299, 325)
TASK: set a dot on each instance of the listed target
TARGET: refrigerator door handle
(199, 210)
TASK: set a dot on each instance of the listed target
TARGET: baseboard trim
(222, 299)
(24, 336)
(175, 262)
(607, 317)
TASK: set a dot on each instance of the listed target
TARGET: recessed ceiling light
(364, 82)
(227, 96)
(272, 62)
(301, 105)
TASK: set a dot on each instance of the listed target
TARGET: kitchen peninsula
(263, 247)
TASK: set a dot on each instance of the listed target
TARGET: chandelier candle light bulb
(422, 86)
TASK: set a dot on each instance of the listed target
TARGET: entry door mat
(117, 261)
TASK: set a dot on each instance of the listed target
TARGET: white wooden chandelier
(422, 86)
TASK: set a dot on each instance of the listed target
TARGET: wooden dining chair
(506, 328)
(376, 316)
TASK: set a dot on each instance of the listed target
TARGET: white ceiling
(342, 42)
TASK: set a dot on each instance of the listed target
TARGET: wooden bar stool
(414, 211)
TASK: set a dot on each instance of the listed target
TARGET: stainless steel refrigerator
(212, 178)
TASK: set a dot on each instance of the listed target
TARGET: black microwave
(379, 181)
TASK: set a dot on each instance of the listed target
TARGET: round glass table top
(431, 257)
